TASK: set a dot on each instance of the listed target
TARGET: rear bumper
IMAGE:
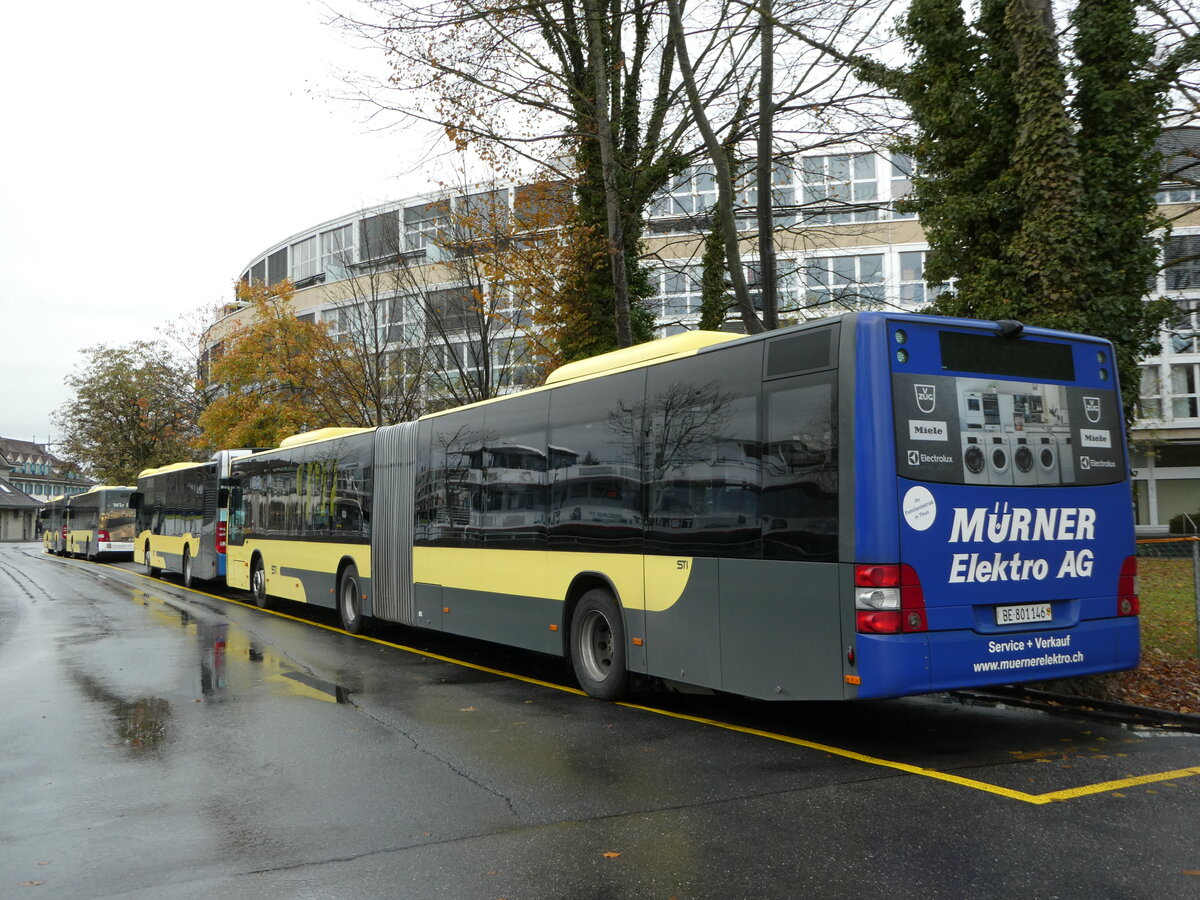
(903, 664)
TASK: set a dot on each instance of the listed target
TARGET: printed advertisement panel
(978, 430)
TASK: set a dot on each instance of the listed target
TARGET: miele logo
(1091, 408)
(926, 397)
(927, 430)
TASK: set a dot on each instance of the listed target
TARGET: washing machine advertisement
(973, 430)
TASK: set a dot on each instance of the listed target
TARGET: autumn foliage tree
(271, 375)
(132, 407)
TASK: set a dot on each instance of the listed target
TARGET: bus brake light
(221, 532)
(102, 536)
(888, 599)
(1127, 589)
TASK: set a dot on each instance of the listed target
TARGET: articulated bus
(182, 512)
(52, 521)
(873, 505)
(99, 521)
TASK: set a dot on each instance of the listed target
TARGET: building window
(783, 197)
(1183, 392)
(849, 282)
(840, 188)
(277, 267)
(689, 197)
(913, 289)
(1180, 193)
(902, 172)
(337, 250)
(1150, 395)
(425, 224)
(378, 236)
(304, 259)
(1182, 263)
(678, 294)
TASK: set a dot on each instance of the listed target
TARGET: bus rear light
(221, 535)
(1127, 588)
(102, 536)
(880, 622)
(888, 599)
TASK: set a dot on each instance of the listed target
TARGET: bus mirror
(222, 498)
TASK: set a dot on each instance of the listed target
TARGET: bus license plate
(1027, 612)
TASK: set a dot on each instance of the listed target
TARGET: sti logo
(926, 397)
(1091, 408)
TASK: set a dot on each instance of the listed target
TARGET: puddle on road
(142, 724)
(228, 663)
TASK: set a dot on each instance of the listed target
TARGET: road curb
(1089, 707)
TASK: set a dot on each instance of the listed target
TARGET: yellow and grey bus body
(632, 476)
(182, 513)
(100, 521)
(300, 519)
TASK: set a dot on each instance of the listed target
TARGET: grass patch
(1168, 607)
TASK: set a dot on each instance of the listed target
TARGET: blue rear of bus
(1000, 455)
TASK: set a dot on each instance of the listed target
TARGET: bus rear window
(987, 354)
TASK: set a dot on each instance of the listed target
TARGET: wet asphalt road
(163, 743)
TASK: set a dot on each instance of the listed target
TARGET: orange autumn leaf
(610, 854)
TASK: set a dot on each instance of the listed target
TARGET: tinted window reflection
(317, 492)
(514, 491)
(448, 497)
(703, 457)
(594, 454)
(800, 478)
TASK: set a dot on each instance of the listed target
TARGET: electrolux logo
(917, 458)
(1087, 463)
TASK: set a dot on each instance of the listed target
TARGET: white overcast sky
(149, 150)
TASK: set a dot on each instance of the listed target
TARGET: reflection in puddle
(225, 654)
(141, 724)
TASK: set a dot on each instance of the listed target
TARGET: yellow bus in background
(100, 521)
(52, 520)
(182, 512)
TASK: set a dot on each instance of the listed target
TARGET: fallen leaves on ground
(1171, 684)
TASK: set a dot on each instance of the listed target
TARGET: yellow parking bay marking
(1025, 797)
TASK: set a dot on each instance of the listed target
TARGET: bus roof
(171, 467)
(321, 434)
(677, 345)
(97, 488)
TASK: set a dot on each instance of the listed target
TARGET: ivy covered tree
(1036, 166)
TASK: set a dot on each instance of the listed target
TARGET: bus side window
(800, 477)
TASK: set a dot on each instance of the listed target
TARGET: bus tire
(258, 584)
(349, 594)
(598, 646)
(152, 571)
(186, 568)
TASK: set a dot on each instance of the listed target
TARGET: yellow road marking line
(1024, 796)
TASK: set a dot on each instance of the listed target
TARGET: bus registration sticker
(1026, 612)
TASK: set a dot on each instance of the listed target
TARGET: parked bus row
(873, 505)
(89, 525)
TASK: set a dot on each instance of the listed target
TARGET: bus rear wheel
(350, 600)
(152, 571)
(598, 646)
(258, 584)
(187, 568)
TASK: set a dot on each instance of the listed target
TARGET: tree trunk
(604, 138)
(725, 216)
